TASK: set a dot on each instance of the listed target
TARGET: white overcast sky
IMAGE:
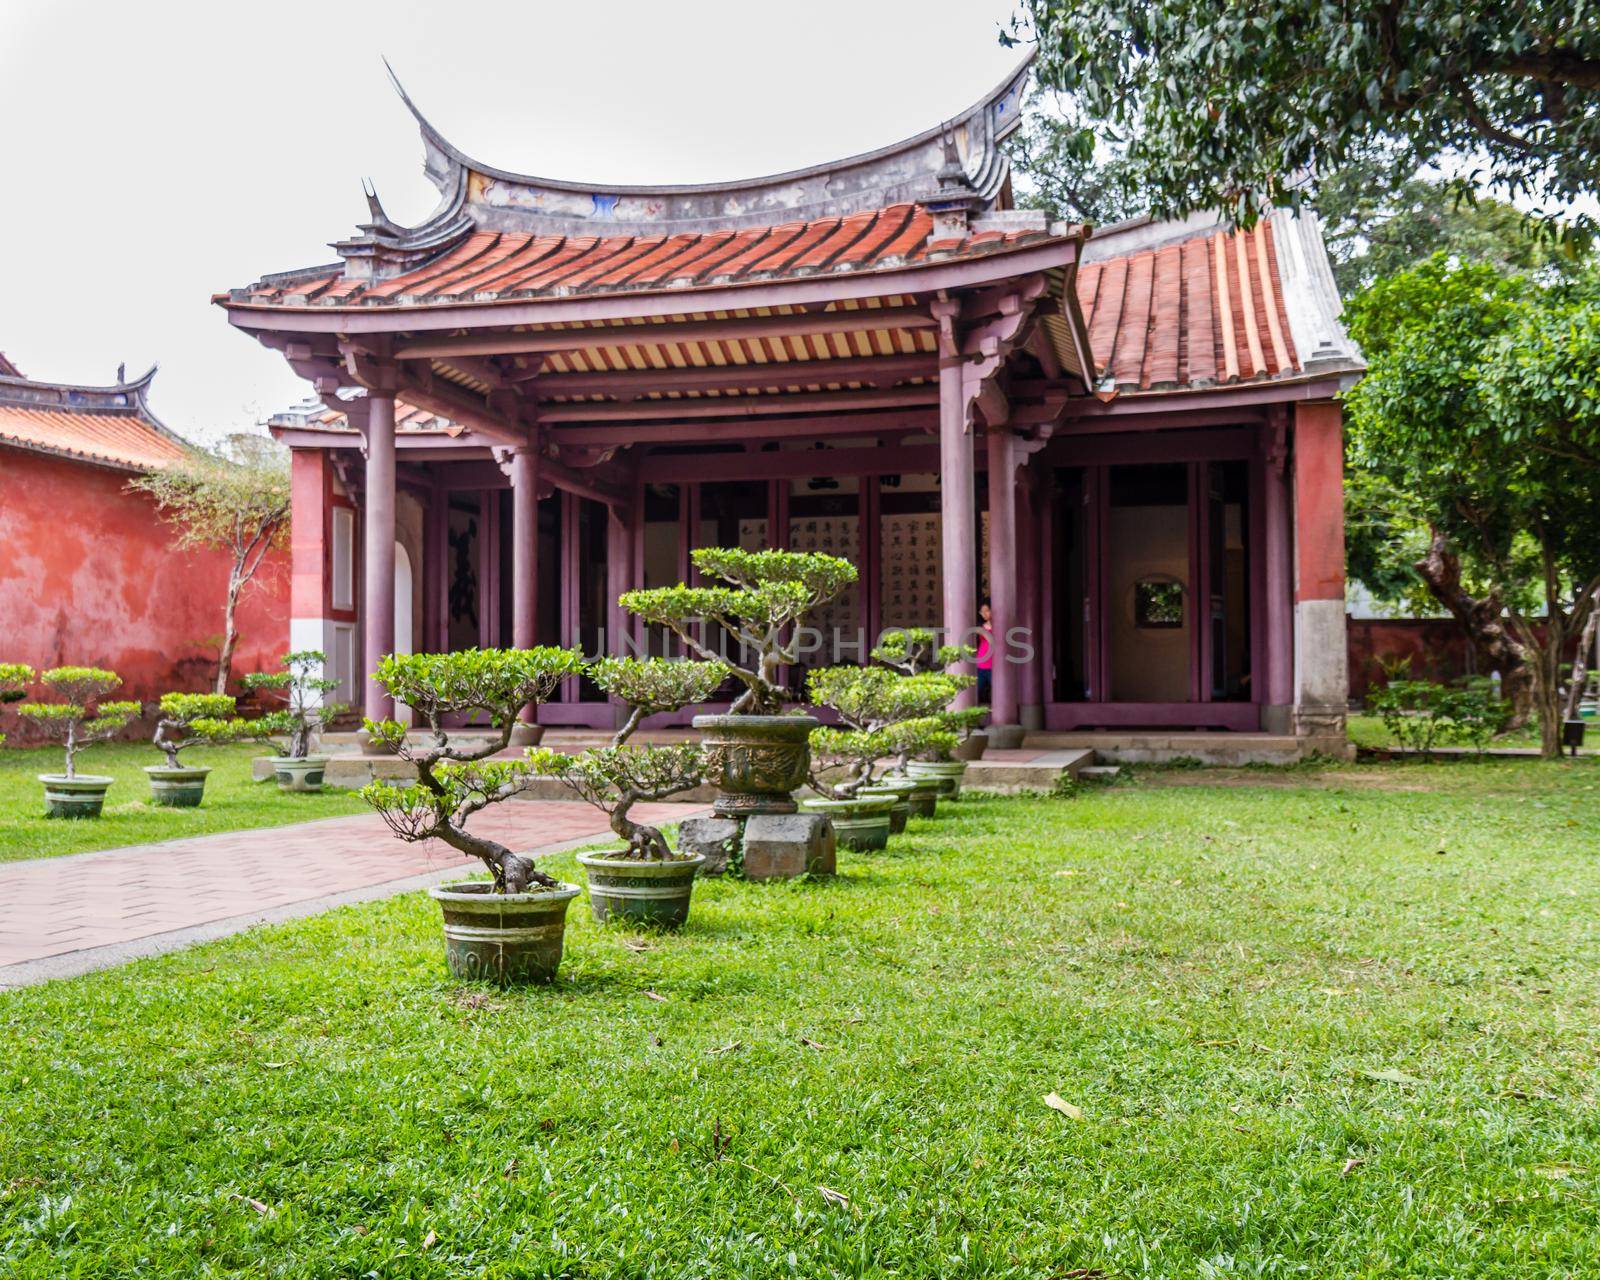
(156, 153)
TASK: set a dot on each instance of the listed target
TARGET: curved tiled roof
(109, 426)
(494, 266)
(1205, 311)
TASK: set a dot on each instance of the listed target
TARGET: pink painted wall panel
(90, 576)
(1319, 501)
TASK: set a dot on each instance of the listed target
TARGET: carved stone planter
(898, 792)
(755, 762)
(304, 773)
(947, 773)
(636, 891)
(862, 823)
(79, 797)
(503, 937)
(180, 788)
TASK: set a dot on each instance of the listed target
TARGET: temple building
(1127, 441)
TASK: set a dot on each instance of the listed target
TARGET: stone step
(1100, 773)
(1022, 769)
(1159, 746)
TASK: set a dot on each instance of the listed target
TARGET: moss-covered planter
(861, 824)
(898, 792)
(947, 773)
(755, 762)
(923, 797)
(503, 937)
(303, 774)
(638, 890)
(79, 797)
(180, 788)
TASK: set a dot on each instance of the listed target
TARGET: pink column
(959, 533)
(1002, 581)
(525, 558)
(378, 535)
(435, 569)
(1030, 688)
(1279, 591)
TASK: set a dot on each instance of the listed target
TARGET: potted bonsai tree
(645, 880)
(187, 720)
(15, 677)
(509, 928)
(915, 650)
(295, 727)
(842, 765)
(79, 717)
(755, 755)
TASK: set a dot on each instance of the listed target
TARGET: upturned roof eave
(955, 272)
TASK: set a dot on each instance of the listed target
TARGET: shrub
(454, 782)
(80, 716)
(305, 712)
(872, 702)
(767, 596)
(1422, 714)
(188, 719)
(617, 777)
(15, 677)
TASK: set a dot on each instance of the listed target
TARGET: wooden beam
(450, 401)
(741, 430)
(878, 370)
(740, 406)
(628, 335)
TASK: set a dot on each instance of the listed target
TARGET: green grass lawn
(232, 802)
(1307, 1023)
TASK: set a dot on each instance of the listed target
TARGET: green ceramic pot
(923, 797)
(861, 823)
(755, 762)
(636, 891)
(897, 790)
(302, 774)
(180, 788)
(503, 937)
(947, 773)
(79, 797)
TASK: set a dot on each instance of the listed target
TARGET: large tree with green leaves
(1246, 104)
(1482, 405)
(235, 501)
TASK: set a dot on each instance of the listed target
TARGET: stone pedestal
(524, 734)
(714, 839)
(1005, 737)
(781, 846)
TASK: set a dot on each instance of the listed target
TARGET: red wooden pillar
(525, 558)
(489, 568)
(871, 529)
(1004, 720)
(1030, 687)
(436, 570)
(378, 537)
(956, 487)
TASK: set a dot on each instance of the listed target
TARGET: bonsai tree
(15, 677)
(617, 777)
(80, 716)
(914, 652)
(871, 701)
(305, 712)
(235, 501)
(764, 598)
(454, 782)
(188, 719)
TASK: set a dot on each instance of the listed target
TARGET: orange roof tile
(488, 266)
(121, 439)
(1205, 311)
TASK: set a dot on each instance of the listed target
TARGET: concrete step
(1024, 769)
(1159, 746)
(1100, 773)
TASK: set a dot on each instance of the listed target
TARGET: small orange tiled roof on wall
(107, 426)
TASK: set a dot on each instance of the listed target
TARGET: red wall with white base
(90, 576)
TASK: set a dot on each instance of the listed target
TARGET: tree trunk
(230, 635)
(1547, 692)
(1484, 621)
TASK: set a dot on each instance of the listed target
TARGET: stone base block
(525, 735)
(1005, 737)
(714, 839)
(781, 846)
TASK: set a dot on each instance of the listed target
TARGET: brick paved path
(55, 907)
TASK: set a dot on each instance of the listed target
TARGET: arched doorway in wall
(403, 629)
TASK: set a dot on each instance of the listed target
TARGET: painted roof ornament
(955, 202)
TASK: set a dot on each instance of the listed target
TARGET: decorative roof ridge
(127, 397)
(935, 133)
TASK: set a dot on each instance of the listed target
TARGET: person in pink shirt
(985, 659)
